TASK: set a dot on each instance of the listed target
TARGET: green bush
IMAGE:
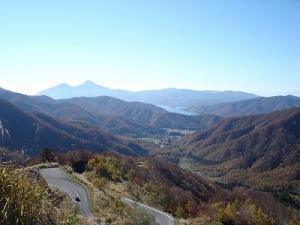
(108, 167)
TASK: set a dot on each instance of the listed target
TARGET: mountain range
(254, 106)
(36, 121)
(32, 132)
(143, 114)
(171, 97)
(247, 149)
(116, 116)
(255, 143)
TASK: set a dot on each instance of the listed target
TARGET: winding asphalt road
(57, 178)
(160, 217)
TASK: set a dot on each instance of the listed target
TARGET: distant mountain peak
(63, 85)
(89, 82)
(171, 97)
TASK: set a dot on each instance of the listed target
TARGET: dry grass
(24, 201)
(107, 207)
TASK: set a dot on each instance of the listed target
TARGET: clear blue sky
(249, 45)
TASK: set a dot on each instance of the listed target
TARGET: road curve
(57, 178)
(160, 217)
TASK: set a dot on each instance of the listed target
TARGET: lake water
(180, 110)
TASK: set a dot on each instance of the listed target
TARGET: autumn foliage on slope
(179, 192)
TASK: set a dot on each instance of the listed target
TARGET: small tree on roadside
(47, 155)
